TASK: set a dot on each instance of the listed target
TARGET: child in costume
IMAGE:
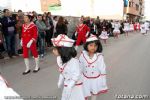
(116, 30)
(69, 69)
(104, 35)
(126, 28)
(82, 32)
(93, 68)
(28, 42)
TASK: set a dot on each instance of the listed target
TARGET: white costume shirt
(94, 67)
(126, 26)
(70, 71)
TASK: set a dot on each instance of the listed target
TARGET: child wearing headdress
(68, 65)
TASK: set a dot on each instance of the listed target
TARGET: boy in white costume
(69, 69)
(93, 68)
(7, 93)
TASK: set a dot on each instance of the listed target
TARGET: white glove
(87, 34)
(71, 84)
(29, 43)
(21, 43)
(76, 33)
(60, 81)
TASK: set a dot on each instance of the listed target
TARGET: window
(137, 7)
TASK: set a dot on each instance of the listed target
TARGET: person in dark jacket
(1, 43)
(61, 27)
(50, 31)
(8, 28)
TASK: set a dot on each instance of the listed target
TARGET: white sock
(26, 60)
(93, 97)
(36, 63)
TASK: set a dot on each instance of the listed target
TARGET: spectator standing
(61, 27)
(8, 26)
(49, 33)
(41, 35)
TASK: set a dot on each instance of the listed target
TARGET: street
(128, 66)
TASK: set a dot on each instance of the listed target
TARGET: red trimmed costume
(29, 32)
(94, 72)
(70, 73)
(82, 31)
(28, 41)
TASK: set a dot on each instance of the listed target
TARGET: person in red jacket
(28, 41)
(82, 32)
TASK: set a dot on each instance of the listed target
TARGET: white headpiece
(62, 41)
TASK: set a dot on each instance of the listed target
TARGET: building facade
(133, 10)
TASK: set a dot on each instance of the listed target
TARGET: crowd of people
(51, 26)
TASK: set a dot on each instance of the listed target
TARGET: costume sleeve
(102, 66)
(81, 63)
(59, 61)
(35, 33)
(75, 71)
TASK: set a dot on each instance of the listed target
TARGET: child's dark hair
(97, 42)
(66, 53)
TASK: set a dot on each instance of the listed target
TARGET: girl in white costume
(131, 27)
(93, 68)
(126, 28)
(104, 35)
(116, 30)
(70, 72)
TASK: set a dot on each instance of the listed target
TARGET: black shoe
(24, 73)
(35, 71)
